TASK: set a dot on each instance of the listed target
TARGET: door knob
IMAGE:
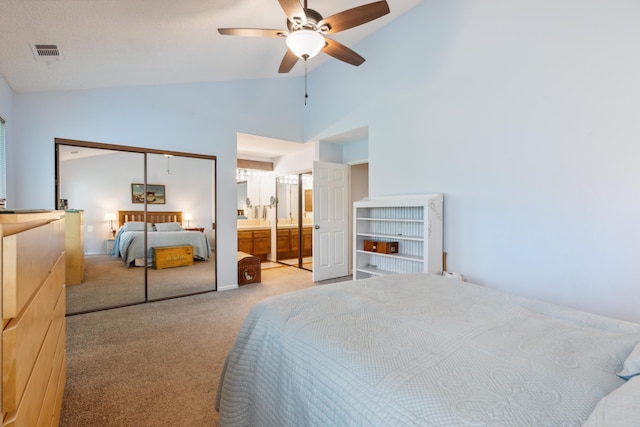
(316, 227)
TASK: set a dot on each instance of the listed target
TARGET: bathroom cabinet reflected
(256, 212)
(295, 220)
(275, 216)
(131, 267)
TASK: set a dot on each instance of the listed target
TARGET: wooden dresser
(74, 246)
(33, 322)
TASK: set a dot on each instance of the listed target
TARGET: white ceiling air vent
(47, 52)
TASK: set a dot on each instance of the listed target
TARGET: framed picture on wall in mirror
(155, 194)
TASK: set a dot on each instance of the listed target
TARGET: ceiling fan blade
(353, 17)
(252, 32)
(288, 62)
(341, 52)
(294, 11)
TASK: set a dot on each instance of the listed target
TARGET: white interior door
(330, 220)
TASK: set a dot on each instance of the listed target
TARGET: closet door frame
(145, 152)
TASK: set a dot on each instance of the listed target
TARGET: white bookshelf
(415, 222)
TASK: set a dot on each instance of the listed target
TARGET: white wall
(197, 118)
(300, 161)
(525, 115)
(352, 152)
(330, 152)
(99, 185)
(6, 112)
(356, 152)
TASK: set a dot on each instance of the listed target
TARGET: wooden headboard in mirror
(152, 217)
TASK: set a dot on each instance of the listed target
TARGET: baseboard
(228, 287)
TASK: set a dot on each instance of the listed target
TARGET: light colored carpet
(109, 283)
(158, 364)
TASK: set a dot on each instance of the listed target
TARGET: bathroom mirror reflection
(295, 220)
(241, 206)
(256, 211)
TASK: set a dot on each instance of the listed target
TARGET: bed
(163, 229)
(424, 350)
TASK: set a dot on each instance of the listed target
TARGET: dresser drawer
(33, 300)
(32, 405)
(23, 337)
(26, 261)
(50, 413)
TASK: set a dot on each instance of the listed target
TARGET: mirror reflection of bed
(176, 254)
(190, 188)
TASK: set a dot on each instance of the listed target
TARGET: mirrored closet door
(142, 220)
(189, 184)
(295, 220)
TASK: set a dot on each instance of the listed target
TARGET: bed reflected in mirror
(178, 230)
(180, 252)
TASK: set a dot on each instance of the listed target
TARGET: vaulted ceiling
(111, 43)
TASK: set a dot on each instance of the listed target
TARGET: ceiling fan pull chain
(306, 95)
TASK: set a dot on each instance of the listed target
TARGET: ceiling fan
(305, 37)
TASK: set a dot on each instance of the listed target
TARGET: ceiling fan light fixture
(305, 44)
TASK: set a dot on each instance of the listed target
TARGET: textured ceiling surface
(111, 43)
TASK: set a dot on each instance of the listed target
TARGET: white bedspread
(130, 244)
(418, 350)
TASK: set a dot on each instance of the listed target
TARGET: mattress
(419, 350)
(130, 244)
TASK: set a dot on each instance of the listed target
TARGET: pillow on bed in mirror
(169, 226)
(631, 366)
(135, 226)
(619, 408)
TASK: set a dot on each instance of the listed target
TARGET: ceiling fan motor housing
(313, 18)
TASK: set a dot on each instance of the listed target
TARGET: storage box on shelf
(381, 247)
(411, 225)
